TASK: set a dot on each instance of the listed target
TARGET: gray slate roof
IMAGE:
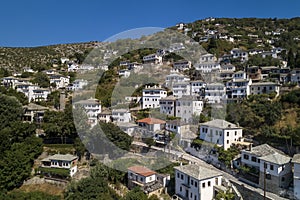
(63, 157)
(296, 158)
(276, 158)
(264, 150)
(219, 123)
(198, 172)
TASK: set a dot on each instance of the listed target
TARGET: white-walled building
(278, 168)
(207, 58)
(9, 82)
(221, 132)
(168, 105)
(238, 88)
(264, 88)
(215, 92)
(182, 65)
(148, 180)
(295, 76)
(152, 124)
(38, 94)
(208, 67)
(296, 178)
(121, 115)
(197, 87)
(151, 96)
(92, 108)
(187, 107)
(181, 89)
(60, 161)
(124, 72)
(128, 128)
(105, 116)
(59, 81)
(175, 77)
(78, 84)
(239, 54)
(193, 182)
(152, 58)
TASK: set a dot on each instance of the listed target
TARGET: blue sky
(44, 22)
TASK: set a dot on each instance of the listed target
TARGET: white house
(188, 107)
(239, 86)
(148, 180)
(33, 113)
(295, 76)
(92, 108)
(10, 82)
(78, 84)
(175, 47)
(105, 116)
(152, 124)
(182, 65)
(151, 96)
(239, 54)
(296, 178)
(215, 92)
(197, 87)
(194, 182)
(37, 94)
(59, 161)
(152, 58)
(207, 58)
(221, 132)
(124, 72)
(181, 89)
(168, 105)
(208, 67)
(270, 162)
(121, 115)
(59, 81)
(264, 88)
(175, 77)
(127, 127)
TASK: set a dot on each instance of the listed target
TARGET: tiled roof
(151, 121)
(88, 101)
(276, 158)
(219, 123)
(198, 172)
(141, 170)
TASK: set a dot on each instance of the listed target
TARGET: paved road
(193, 159)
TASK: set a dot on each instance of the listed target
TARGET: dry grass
(289, 118)
(45, 188)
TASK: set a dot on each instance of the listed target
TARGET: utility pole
(265, 166)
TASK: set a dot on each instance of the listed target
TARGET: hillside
(13, 59)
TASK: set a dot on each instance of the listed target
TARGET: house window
(191, 195)
(271, 167)
(196, 184)
(208, 183)
(141, 179)
(282, 179)
(227, 134)
(268, 176)
(253, 159)
(227, 141)
(180, 189)
(203, 185)
(246, 157)
(181, 176)
(178, 175)
(192, 182)
(235, 133)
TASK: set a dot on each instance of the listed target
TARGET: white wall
(297, 180)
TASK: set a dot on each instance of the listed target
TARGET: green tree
(42, 80)
(291, 58)
(10, 110)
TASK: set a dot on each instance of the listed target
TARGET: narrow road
(198, 161)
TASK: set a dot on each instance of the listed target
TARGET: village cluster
(181, 99)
